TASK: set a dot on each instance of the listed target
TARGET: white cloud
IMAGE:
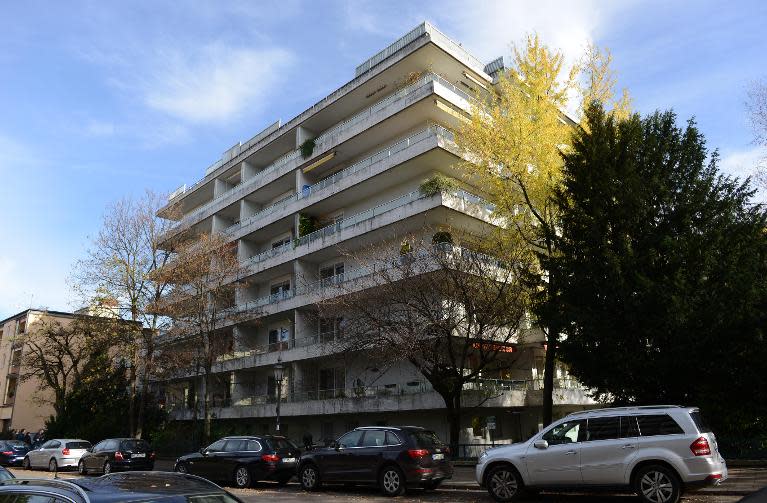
(98, 128)
(216, 83)
(743, 163)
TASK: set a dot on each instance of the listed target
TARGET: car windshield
(280, 443)
(426, 439)
(78, 445)
(134, 445)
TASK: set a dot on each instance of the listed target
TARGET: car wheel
(181, 468)
(309, 476)
(391, 481)
(81, 468)
(26, 464)
(504, 483)
(241, 477)
(52, 465)
(107, 468)
(657, 484)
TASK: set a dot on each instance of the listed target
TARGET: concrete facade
(376, 139)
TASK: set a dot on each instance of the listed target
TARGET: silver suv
(656, 451)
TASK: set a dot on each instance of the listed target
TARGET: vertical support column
(220, 186)
(248, 209)
(219, 223)
(247, 171)
(303, 134)
(304, 274)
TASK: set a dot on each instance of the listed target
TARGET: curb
(702, 492)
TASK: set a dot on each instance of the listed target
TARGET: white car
(656, 451)
(56, 454)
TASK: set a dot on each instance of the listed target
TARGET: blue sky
(102, 100)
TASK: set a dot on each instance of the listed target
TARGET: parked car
(56, 454)
(156, 487)
(391, 457)
(5, 474)
(243, 460)
(12, 452)
(656, 451)
(117, 454)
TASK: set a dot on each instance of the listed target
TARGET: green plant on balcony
(405, 247)
(306, 224)
(437, 184)
(307, 148)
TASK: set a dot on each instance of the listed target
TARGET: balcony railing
(368, 162)
(320, 140)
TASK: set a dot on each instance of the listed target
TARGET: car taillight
(418, 453)
(65, 451)
(270, 458)
(700, 447)
(119, 456)
(151, 456)
(8, 453)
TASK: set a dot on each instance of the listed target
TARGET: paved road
(744, 481)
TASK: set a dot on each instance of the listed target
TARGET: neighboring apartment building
(23, 404)
(376, 139)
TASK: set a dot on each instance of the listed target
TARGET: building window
(332, 274)
(330, 329)
(280, 290)
(281, 242)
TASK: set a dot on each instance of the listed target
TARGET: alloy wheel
(81, 468)
(107, 468)
(657, 487)
(309, 477)
(181, 468)
(242, 477)
(52, 465)
(503, 484)
(391, 481)
(26, 464)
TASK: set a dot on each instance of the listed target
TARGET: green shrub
(437, 184)
(306, 224)
(307, 148)
(442, 237)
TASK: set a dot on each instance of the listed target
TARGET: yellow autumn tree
(514, 140)
(598, 81)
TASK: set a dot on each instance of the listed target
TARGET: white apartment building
(376, 139)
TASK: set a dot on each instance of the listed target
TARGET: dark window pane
(280, 443)
(78, 445)
(135, 445)
(426, 439)
(253, 446)
(701, 423)
(629, 427)
(351, 439)
(374, 438)
(566, 433)
(218, 445)
(660, 424)
(235, 445)
(392, 439)
(603, 428)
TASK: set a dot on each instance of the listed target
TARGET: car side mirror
(541, 444)
(204, 451)
(335, 445)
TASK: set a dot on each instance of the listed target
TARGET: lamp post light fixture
(279, 373)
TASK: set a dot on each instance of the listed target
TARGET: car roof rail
(628, 408)
(59, 483)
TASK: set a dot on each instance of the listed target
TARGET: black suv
(392, 457)
(243, 460)
(117, 454)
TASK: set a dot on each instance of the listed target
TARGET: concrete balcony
(404, 207)
(430, 84)
(486, 393)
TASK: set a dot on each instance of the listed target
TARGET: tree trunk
(548, 376)
(206, 407)
(132, 400)
(453, 406)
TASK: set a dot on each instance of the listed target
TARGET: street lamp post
(279, 372)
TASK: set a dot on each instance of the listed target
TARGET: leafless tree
(757, 108)
(453, 312)
(55, 353)
(204, 273)
(116, 277)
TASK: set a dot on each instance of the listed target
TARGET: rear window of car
(78, 445)
(700, 423)
(280, 443)
(426, 439)
(16, 443)
(658, 424)
(134, 445)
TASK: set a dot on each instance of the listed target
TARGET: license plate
(139, 455)
(288, 460)
(438, 456)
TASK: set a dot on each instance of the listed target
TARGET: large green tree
(662, 275)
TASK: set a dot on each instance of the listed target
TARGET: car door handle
(568, 453)
(628, 446)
